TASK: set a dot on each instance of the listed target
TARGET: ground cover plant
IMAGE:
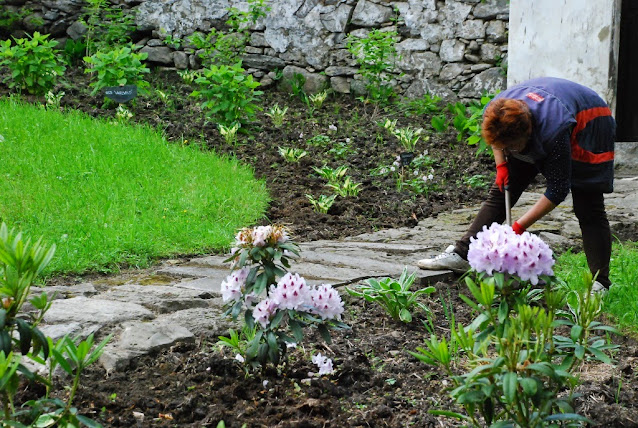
(112, 194)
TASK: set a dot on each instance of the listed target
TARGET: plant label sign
(121, 94)
(406, 158)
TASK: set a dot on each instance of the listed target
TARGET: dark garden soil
(376, 383)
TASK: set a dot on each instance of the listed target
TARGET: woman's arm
(540, 208)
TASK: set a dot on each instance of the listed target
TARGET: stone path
(179, 301)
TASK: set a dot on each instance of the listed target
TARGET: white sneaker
(598, 288)
(448, 260)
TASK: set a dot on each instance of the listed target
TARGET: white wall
(572, 39)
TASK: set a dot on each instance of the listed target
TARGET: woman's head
(507, 124)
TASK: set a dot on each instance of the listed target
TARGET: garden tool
(508, 206)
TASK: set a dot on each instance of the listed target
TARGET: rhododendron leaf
(297, 332)
(579, 351)
(262, 353)
(260, 283)
(499, 280)
(242, 258)
(325, 334)
(510, 386)
(599, 355)
(285, 262)
(250, 320)
(503, 311)
(576, 333)
(236, 309)
(250, 279)
(276, 320)
(529, 385)
(469, 302)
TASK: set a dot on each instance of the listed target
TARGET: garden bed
(376, 382)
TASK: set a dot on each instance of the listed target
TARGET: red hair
(506, 121)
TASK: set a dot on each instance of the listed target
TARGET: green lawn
(622, 300)
(110, 194)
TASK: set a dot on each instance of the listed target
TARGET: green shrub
(376, 55)
(225, 47)
(118, 66)
(229, 94)
(33, 63)
(107, 26)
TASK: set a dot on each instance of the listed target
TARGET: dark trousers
(589, 208)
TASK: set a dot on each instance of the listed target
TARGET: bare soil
(377, 383)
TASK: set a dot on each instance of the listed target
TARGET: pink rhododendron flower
(326, 302)
(324, 363)
(264, 311)
(499, 249)
(234, 284)
(291, 292)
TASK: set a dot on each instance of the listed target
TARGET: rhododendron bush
(521, 367)
(277, 304)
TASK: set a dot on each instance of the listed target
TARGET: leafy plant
(469, 127)
(8, 17)
(341, 150)
(117, 67)
(74, 51)
(229, 133)
(331, 175)
(345, 188)
(297, 82)
(408, 137)
(427, 104)
(108, 27)
(316, 100)
(33, 63)
(122, 114)
(21, 261)
(521, 367)
(477, 181)
(292, 154)
(322, 204)
(229, 94)
(376, 55)
(277, 115)
(188, 76)
(53, 100)
(439, 123)
(394, 295)
(279, 310)
(225, 47)
(319, 140)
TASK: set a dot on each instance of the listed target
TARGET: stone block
(452, 50)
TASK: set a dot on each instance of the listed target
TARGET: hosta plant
(33, 63)
(277, 115)
(292, 154)
(345, 188)
(322, 204)
(278, 304)
(229, 133)
(521, 369)
(394, 295)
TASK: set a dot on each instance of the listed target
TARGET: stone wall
(452, 48)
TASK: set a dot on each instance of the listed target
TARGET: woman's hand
(502, 176)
